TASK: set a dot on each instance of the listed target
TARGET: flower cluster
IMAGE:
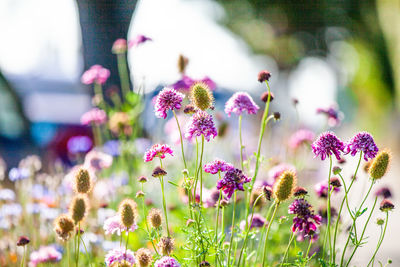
(43, 255)
(233, 180)
(186, 83)
(96, 74)
(94, 116)
(167, 262)
(362, 142)
(113, 225)
(239, 103)
(119, 255)
(218, 165)
(157, 150)
(167, 99)
(302, 136)
(305, 221)
(201, 123)
(326, 145)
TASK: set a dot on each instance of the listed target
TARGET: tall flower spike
(239, 103)
(327, 144)
(284, 186)
(380, 165)
(201, 123)
(167, 99)
(362, 142)
(201, 96)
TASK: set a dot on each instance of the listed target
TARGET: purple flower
(79, 144)
(327, 144)
(362, 142)
(94, 116)
(17, 174)
(218, 165)
(96, 74)
(305, 221)
(201, 123)
(321, 189)
(43, 255)
(233, 180)
(186, 83)
(240, 102)
(382, 192)
(302, 136)
(113, 225)
(167, 262)
(139, 39)
(167, 99)
(120, 255)
(157, 150)
(257, 222)
(333, 114)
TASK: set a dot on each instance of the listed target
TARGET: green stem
(266, 236)
(264, 228)
(218, 203)
(78, 245)
(86, 251)
(380, 240)
(23, 257)
(233, 228)
(328, 210)
(163, 199)
(180, 135)
(241, 142)
(308, 250)
(287, 249)
(123, 74)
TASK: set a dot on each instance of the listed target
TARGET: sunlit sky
(42, 40)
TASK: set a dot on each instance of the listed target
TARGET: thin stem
(201, 170)
(266, 236)
(381, 239)
(126, 244)
(23, 257)
(287, 249)
(241, 142)
(86, 251)
(180, 135)
(163, 199)
(264, 228)
(308, 250)
(232, 229)
(328, 224)
(216, 223)
(123, 74)
(77, 251)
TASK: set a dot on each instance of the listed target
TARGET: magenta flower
(96, 74)
(383, 192)
(240, 102)
(139, 39)
(113, 225)
(218, 165)
(302, 136)
(119, 255)
(257, 222)
(364, 142)
(326, 145)
(119, 46)
(157, 150)
(167, 99)
(305, 221)
(321, 189)
(333, 114)
(201, 123)
(186, 83)
(43, 255)
(94, 116)
(167, 262)
(233, 180)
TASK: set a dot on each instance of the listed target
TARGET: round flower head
(201, 96)
(362, 142)
(63, 226)
(119, 255)
(383, 192)
(326, 145)
(154, 218)
(94, 116)
(302, 136)
(239, 103)
(45, 254)
(201, 123)
(218, 165)
(167, 99)
(127, 212)
(305, 220)
(268, 192)
(157, 150)
(263, 76)
(166, 245)
(264, 97)
(119, 46)
(167, 262)
(321, 189)
(386, 205)
(83, 183)
(113, 225)
(143, 256)
(96, 74)
(23, 241)
(79, 208)
(158, 172)
(332, 113)
(284, 186)
(233, 180)
(380, 165)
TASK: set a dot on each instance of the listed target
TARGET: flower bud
(335, 182)
(283, 188)
(380, 164)
(268, 192)
(142, 179)
(300, 192)
(336, 170)
(158, 171)
(264, 97)
(277, 116)
(263, 76)
(23, 241)
(380, 221)
(386, 205)
(83, 183)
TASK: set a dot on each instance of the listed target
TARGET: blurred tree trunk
(102, 22)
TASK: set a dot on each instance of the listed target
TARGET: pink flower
(113, 225)
(167, 262)
(120, 255)
(302, 136)
(240, 102)
(201, 123)
(139, 39)
(218, 165)
(96, 74)
(94, 116)
(186, 83)
(157, 150)
(119, 46)
(44, 254)
(167, 99)
(96, 160)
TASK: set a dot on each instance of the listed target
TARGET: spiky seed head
(166, 245)
(283, 188)
(335, 182)
(83, 183)
(201, 96)
(380, 164)
(300, 191)
(386, 205)
(127, 212)
(155, 218)
(23, 241)
(64, 226)
(79, 208)
(144, 258)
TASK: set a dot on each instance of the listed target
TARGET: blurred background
(343, 55)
